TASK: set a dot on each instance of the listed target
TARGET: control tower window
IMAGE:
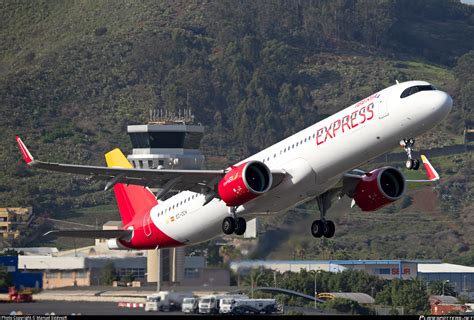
(186, 140)
(412, 90)
(192, 140)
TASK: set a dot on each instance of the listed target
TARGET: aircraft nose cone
(445, 102)
(442, 103)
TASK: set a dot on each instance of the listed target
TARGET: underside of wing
(119, 170)
(181, 179)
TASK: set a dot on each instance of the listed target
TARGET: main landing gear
(323, 227)
(411, 164)
(234, 224)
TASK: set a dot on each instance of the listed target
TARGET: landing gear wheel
(416, 164)
(329, 229)
(241, 226)
(317, 228)
(228, 225)
(410, 164)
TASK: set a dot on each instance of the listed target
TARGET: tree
(108, 274)
(5, 280)
(436, 288)
(127, 277)
(410, 294)
(346, 306)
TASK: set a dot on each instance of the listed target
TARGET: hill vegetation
(73, 74)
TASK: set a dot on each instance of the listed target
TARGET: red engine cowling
(379, 188)
(244, 183)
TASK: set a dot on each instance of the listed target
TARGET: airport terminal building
(84, 266)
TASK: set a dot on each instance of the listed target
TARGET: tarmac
(73, 308)
(117, 294)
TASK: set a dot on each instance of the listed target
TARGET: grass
(415, 70)
(92, 215)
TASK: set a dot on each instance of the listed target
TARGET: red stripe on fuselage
(143, 239)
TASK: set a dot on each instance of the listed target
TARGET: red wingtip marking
(24, 151)
(430, 171)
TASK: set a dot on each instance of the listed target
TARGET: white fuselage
(315, 159)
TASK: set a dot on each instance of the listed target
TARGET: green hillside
(73, 74)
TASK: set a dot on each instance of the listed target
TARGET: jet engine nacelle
(244, 183)
(114, 244)
(379, 188)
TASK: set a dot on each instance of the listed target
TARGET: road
(68, 308)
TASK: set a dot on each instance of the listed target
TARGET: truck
(166, 301)
(255, 306)
(25, 295)
(190, 305)
(211, 304)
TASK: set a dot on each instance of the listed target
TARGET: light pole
(256, 280)
(316, 288)
(444, 282)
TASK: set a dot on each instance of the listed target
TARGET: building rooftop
(17, 210)
(340, 262)
(50, 263)
(37, 251)
(443, 300)
(444, 268)
(113, 224)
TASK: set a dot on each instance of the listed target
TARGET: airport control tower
(167, 141)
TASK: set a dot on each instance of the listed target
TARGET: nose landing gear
(410, 164)
(234, 224)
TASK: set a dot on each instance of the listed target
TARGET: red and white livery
(319, 162)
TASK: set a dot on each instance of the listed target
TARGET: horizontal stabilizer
(91, 234)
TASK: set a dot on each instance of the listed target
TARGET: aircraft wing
(350, 180)
(180, 179)
(166, 179)
(356, 174)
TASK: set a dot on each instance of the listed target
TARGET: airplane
(319, 162)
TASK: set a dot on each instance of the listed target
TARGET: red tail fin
(132, 200)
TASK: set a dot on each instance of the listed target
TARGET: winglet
(116, 158)
(430, 170)
(24, 151)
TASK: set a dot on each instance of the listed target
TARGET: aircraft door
(382, 102)
(147, 224)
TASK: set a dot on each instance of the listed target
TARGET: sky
(471, 2)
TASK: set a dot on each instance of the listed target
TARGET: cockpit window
(412, 90)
